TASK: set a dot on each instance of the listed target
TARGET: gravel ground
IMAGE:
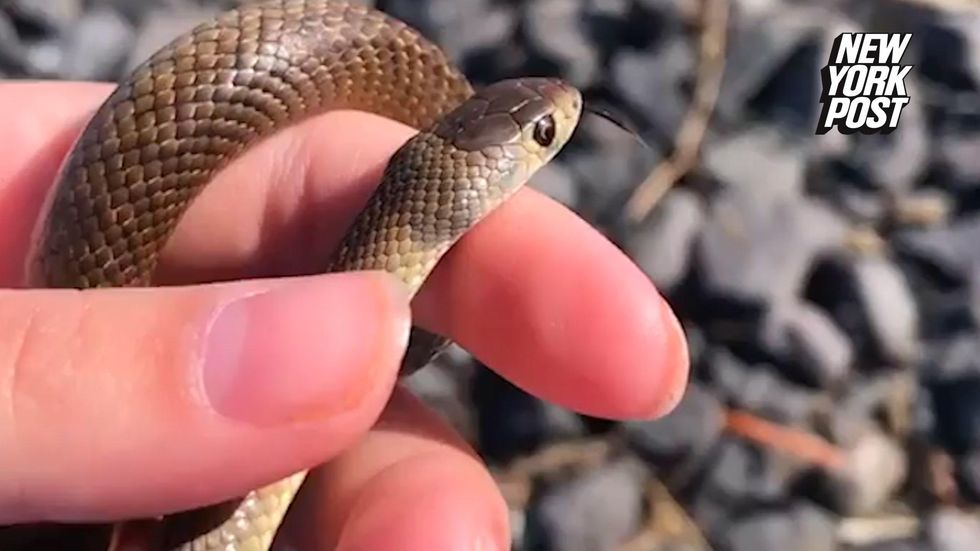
(828, 283)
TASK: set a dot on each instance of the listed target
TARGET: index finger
(533, 291)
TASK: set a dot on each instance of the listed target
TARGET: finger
(167, 399)
(410, 484)
(583, 326)
(45, 118)
(589, 330)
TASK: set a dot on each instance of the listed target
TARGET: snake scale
(203, 99)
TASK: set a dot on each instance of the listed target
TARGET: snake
(212, 93)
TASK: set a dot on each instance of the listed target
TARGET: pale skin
(102, 412)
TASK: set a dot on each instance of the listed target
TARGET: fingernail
(676, 362)
(304, 349)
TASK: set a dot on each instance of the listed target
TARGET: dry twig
(791, 441)
(667, 523)
(695, 124)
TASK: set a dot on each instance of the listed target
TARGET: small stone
(760, 160)
(652, 81)
(598, 510)
(951, 357)
(160, 26)
(876, 467)
(12, 51)
(957, 413)
(808, 528)
(48, 16)
(894, 161)
(758, 389)
(663, 245)
(889, 307)
(758, 248)
(893, 545)
(557, 181)
(741, 472)
(761, 47)
(957, 153)
(441, 388)
(974, 293)
(808, 343)
(968, 473)
(953, 530)
(684, 434)
(951, 249)
(511, 422)
(96, 47)
(555, 28)
(459, 27)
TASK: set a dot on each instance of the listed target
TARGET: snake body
(206, 97)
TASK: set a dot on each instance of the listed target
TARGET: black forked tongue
(620, 121)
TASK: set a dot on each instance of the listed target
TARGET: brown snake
(202, 100)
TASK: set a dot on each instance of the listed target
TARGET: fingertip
(426, 504)
(328, 333)
(675, 362)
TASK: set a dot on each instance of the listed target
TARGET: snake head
(520, 123)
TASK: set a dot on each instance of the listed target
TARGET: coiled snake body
(213, 92)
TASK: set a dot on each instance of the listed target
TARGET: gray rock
(45, 57)
(758, 389)
(951, 357)
(964, 24)
(957, 152)
(663, 245)
(895, 161)
(682, 435)
(596, 511)
(443, 390)
(952, 249)
(742, 473)
(555, 28)
(808, 342)
(557, 181)
(161, 26)
(957, 413)
(51, 16)
(652, 82)
(974, 293)
(458, 26)
(889, 308)
(12, 51)
(953, 530)
(758, 248)
(968, 470)
(612, 165)
(759, 160)
(861, 206)
(762, 40)
(893, 545)
(96, 47)
(803, 528)
(511, 422)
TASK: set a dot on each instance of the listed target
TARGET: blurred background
(829, 285)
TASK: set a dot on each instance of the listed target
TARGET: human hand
(135, 402)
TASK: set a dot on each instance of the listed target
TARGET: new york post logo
(864, 84)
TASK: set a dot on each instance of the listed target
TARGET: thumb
(135, 402)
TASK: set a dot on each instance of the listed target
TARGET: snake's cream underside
(199, 102)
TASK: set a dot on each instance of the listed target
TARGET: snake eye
(544, 131)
